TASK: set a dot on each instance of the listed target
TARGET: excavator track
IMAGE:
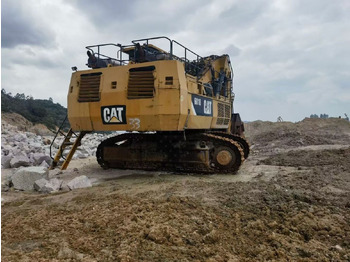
(240, 140)
(197, 153)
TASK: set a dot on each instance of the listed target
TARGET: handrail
(186, 61)
(154, 38)
(198, 56)
(171, 51)
(191, 67)
(104, 56)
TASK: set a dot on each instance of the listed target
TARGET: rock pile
(40, 179)
(25, 177)
(21, 149)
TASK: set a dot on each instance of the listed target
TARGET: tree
(42, 111)
(20, 96)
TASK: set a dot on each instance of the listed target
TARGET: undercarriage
(202, 152)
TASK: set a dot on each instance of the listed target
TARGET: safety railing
(98, 54)
(192, 66)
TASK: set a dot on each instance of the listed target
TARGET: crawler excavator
(176, 109)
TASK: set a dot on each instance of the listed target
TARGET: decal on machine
(202, 106)
(135, 123)
(113, 115)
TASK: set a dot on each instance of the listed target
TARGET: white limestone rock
(20, 137)
(79, 182)
(19, 160)
(53, 185)
(35, 145)
(25, 177)
(5, 161)
(40, 183)
(54, 173)
(40, 157)
(48, 186)
(44, 164)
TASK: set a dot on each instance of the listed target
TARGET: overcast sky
(291, 58)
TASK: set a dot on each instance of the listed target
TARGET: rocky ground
(290, 201)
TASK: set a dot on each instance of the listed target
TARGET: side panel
(201, 111)
(173, 101)
(161, 111)
(78, 113)
(208, 112)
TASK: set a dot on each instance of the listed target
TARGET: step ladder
(75, 143)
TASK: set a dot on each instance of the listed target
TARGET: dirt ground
(290, 201)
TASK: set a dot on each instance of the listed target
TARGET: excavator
(175, 109)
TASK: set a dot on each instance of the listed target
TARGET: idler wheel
(224, 157)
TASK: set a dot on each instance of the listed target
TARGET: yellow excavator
(176, 109)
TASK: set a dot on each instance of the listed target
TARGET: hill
(37, 111)
(310, 131)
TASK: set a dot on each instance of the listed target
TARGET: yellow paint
(168, 110)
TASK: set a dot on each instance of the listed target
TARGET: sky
(291, 58)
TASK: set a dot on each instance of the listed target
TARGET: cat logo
(113, 115)
(202, 106)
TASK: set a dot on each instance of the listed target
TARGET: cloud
(18, 28)
(290, 58)
(232, 50)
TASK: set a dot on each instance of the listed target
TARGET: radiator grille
(221, 110)
(89, 89)
(141, 82)
(224, 113)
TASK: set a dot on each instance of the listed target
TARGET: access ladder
(66, 143)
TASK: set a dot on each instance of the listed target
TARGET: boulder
(79, 182)
(47, 186)
(64, 186)
(19, 160)
(5, 161)
(54, 173)
(5, 181)
(6, 149)
(40, 183)
(40, 157)
(20, 137)
(36, 145)
(44, 164)
(17, 150)
(53, 185)
(31, 158)
(30, 135)
(25, 177)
